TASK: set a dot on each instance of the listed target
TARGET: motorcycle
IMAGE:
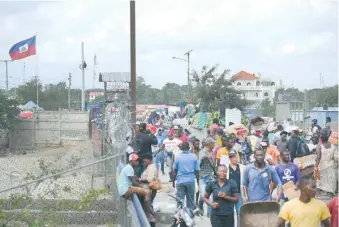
(184, 216)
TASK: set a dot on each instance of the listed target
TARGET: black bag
(302, 149)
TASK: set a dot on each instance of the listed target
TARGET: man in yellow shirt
(227, 144)
(305, 211)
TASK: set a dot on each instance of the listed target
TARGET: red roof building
(242, 75)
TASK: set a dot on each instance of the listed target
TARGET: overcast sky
(292, 40)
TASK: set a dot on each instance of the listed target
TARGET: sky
(292, 40)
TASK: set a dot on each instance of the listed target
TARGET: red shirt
(333, 207)
(184, 138)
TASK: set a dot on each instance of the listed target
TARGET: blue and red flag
(23, 49)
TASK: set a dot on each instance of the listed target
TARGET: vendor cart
(259, 214)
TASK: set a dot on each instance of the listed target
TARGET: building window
(258, 83)
(265, 94)
(256, 95)
(272, 84)
(248, 84)
(238, 84)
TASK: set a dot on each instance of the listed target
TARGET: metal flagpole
(37, 75)
(83, 77)
(24, 73)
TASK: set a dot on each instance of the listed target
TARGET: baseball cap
(175, 127)
(171, 133)
(232, 153)
(133, 157)
(209, 140)
(129, 150)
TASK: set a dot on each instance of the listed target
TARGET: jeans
(203, 181)
(188, 190)
(159, 161)
(169, 160)
(238, 204)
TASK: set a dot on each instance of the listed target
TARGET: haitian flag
(23, 49)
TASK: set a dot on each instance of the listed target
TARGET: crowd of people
(230, 172)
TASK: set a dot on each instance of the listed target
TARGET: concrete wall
(50, 129)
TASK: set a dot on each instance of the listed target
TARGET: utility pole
(69, 91)
(133, 62)
(188, 71)
(6, 64)
(94, 69)
(83, 66)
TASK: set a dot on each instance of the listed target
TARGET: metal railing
(67, 190)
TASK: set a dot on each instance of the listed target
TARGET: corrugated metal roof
(322, 109)
(115, 77)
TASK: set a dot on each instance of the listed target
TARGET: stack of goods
(290, 190)
(334, 135)
(200, 119)
(306, 164)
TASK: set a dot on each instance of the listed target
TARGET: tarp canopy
(30, 105)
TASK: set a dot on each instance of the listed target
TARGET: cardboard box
(290, 190)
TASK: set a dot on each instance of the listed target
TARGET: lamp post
(188, 69)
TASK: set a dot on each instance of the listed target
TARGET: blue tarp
(30, 105)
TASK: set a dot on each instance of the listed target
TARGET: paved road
(167, 205)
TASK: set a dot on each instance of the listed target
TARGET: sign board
(232, 115)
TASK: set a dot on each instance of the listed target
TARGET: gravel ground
(16, 167)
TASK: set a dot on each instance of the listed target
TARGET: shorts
(137, 190)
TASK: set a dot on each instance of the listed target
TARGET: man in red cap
(128, 184)
(171, 145)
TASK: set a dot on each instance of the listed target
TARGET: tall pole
(83, 77)
(6, 65)
(37, 90)
(6, 62)
(133, 61)
(24, 73)
(188, 71)
(69, 91)
(94, 69)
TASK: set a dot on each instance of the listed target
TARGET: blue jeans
(169, 160)
(203, 181)
(188, 190)
(159, 161)
(238, 204)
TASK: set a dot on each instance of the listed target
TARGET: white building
(255, 88)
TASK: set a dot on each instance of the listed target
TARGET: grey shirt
(206, 164)
(281, 145)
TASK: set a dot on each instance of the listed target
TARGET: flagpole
(37, 74)
(24, 73)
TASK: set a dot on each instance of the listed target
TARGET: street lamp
(188, 68)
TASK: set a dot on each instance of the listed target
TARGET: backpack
(302, 149)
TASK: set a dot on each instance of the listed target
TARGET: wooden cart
(259, 214)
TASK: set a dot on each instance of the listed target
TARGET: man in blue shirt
(186, 169)
(128, 184)
(257, 178)
(160, 156)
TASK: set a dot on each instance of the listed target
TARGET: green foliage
(8, 111)
(289, 94)
(171, 93)
(325, 96)
(213, 90)
(267, 108)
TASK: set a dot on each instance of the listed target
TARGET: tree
(267, 108)
(8, 111)
(213, 90)
(327, 96)
(289, 94)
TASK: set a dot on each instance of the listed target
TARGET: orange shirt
(273, 152)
